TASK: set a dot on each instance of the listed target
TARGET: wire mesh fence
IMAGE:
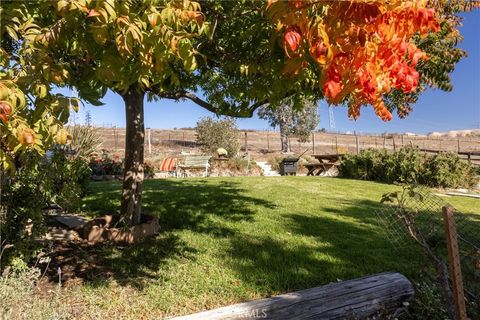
(421, 211)
(268, 141)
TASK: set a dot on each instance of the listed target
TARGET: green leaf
(11, 32)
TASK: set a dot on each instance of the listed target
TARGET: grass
(227, 240)
(230, 240)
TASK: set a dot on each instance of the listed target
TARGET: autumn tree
(294, 117)
(240, 55)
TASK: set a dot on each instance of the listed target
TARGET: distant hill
(456, 133)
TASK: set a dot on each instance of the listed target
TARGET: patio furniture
(169, 165)
(326, 162)
(195, 162)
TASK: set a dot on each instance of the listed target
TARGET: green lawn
(226, 240)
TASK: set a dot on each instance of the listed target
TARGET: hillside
(262, 145)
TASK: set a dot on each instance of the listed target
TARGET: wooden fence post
(454, 263)
(313, 142)
(458, 145)
(149, 140)
(336, 144)
(402, 141)
(394, 146)
(384, 141)
(115, 137)
(268, 141)
(358, 144)
(246, 142)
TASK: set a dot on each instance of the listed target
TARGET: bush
(409, 165)
(213, 134)
(149, 170)
(275, 162)
(69, 177)
(38, 183)
(239, 164)
(449, 171)
(105, 164)
(24, 196)
(60, 178)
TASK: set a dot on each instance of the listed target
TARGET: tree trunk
(134, 157)
(284, 138)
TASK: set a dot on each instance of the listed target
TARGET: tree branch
(239, 111)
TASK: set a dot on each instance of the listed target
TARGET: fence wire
(427, 210)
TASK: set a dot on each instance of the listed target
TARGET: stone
(71, 221)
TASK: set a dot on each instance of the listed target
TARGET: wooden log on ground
(382, 293)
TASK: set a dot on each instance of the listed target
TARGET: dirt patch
(104, 229)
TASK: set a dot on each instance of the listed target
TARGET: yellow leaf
(75, 104)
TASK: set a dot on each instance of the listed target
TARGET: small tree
(294, 117)
(213, 134)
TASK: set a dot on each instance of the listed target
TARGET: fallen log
(383, 293)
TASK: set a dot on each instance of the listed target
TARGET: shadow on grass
(337, 239)
(132, 265)
(319, 249)
(198, 206)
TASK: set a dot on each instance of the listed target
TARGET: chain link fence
(418, 213)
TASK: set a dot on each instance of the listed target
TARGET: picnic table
(325, 163)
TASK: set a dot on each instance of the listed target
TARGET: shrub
(38, 183)
(69, 177)
(409, 165)
(61, 178)
(148, 170)
(24, 196)
(239, 164)
(85, 141)
(449, 171)
(213, 134)
(105, 164)
(275, 162)
(367, 165)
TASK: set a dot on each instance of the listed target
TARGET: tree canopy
(369, 52)
(229, 57)
(231, 51)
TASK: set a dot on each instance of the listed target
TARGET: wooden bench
(326, 162)
(194, 162)
(316, 169)
(380, 294)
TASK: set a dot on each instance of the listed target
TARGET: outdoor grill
(288, 166)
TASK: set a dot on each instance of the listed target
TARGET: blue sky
(435, 111)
